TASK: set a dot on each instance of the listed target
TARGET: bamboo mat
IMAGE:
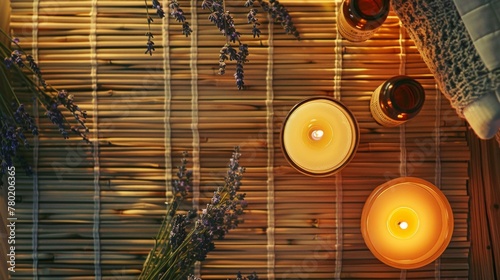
(94, 209)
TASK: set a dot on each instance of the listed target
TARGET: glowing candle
(319, 136)
(407, 222)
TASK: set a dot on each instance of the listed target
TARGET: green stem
(6, 80)
(174, 256)
(161, 240)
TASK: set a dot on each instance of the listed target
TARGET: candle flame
(403, 225)
(317, 134)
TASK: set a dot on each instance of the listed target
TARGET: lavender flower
(178, 233)
(222, 19)
(177, 13)
(280, 14)
(15, 56)
(226, 53)
(186, 29)
(24, 120)
(277, 11)
(13, 140)
(252, 276)
(8, 62)
(67, 101)
(57, 118)
(15, 122)
(150, 44)
(221, 214)
(159, 9)
(251, 17)
(241, 58)
(182, 185)
(186, 238)
(34, 67)
(229, 53)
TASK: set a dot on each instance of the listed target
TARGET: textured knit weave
(447, 49)
(482, 20)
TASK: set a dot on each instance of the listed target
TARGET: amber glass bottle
(397, 100)
(358, 20)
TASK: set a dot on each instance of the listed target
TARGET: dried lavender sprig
(16, 57)
(177, 13)
(150, 43)
(44, 97)
(25, 120)
(216, 220)
(223, 20)
(178, 232)
(229, 53)
(252, 276)
(12, 140)
(278, 13)
(159, 11)
(252, 18)
(57, 118)
(220, 216)
(181, 186)
(226, 53)
(34, 66)
(240, 61)
(239, 276)
(67, 100)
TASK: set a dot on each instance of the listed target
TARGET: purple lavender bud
(8, 62)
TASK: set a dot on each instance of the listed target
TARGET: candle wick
(403, 225)
(317, 134)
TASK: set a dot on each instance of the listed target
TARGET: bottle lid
(405, 94)
(371, 9)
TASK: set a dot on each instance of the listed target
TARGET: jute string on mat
(95, 153)
(193, 63)
(167, 91)
(271, 256)
(34, 233)
(437, 173)
(402, 127)
(339, 235)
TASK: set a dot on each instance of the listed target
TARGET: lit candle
(319, 136)
(407, 222)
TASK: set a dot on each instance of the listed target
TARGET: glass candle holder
(319, 136)
(407, 222)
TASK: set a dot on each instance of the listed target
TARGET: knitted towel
(446, 47)
(482, 20)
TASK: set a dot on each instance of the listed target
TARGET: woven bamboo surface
(93, 210)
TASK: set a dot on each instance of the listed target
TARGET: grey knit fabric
(447, 49)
